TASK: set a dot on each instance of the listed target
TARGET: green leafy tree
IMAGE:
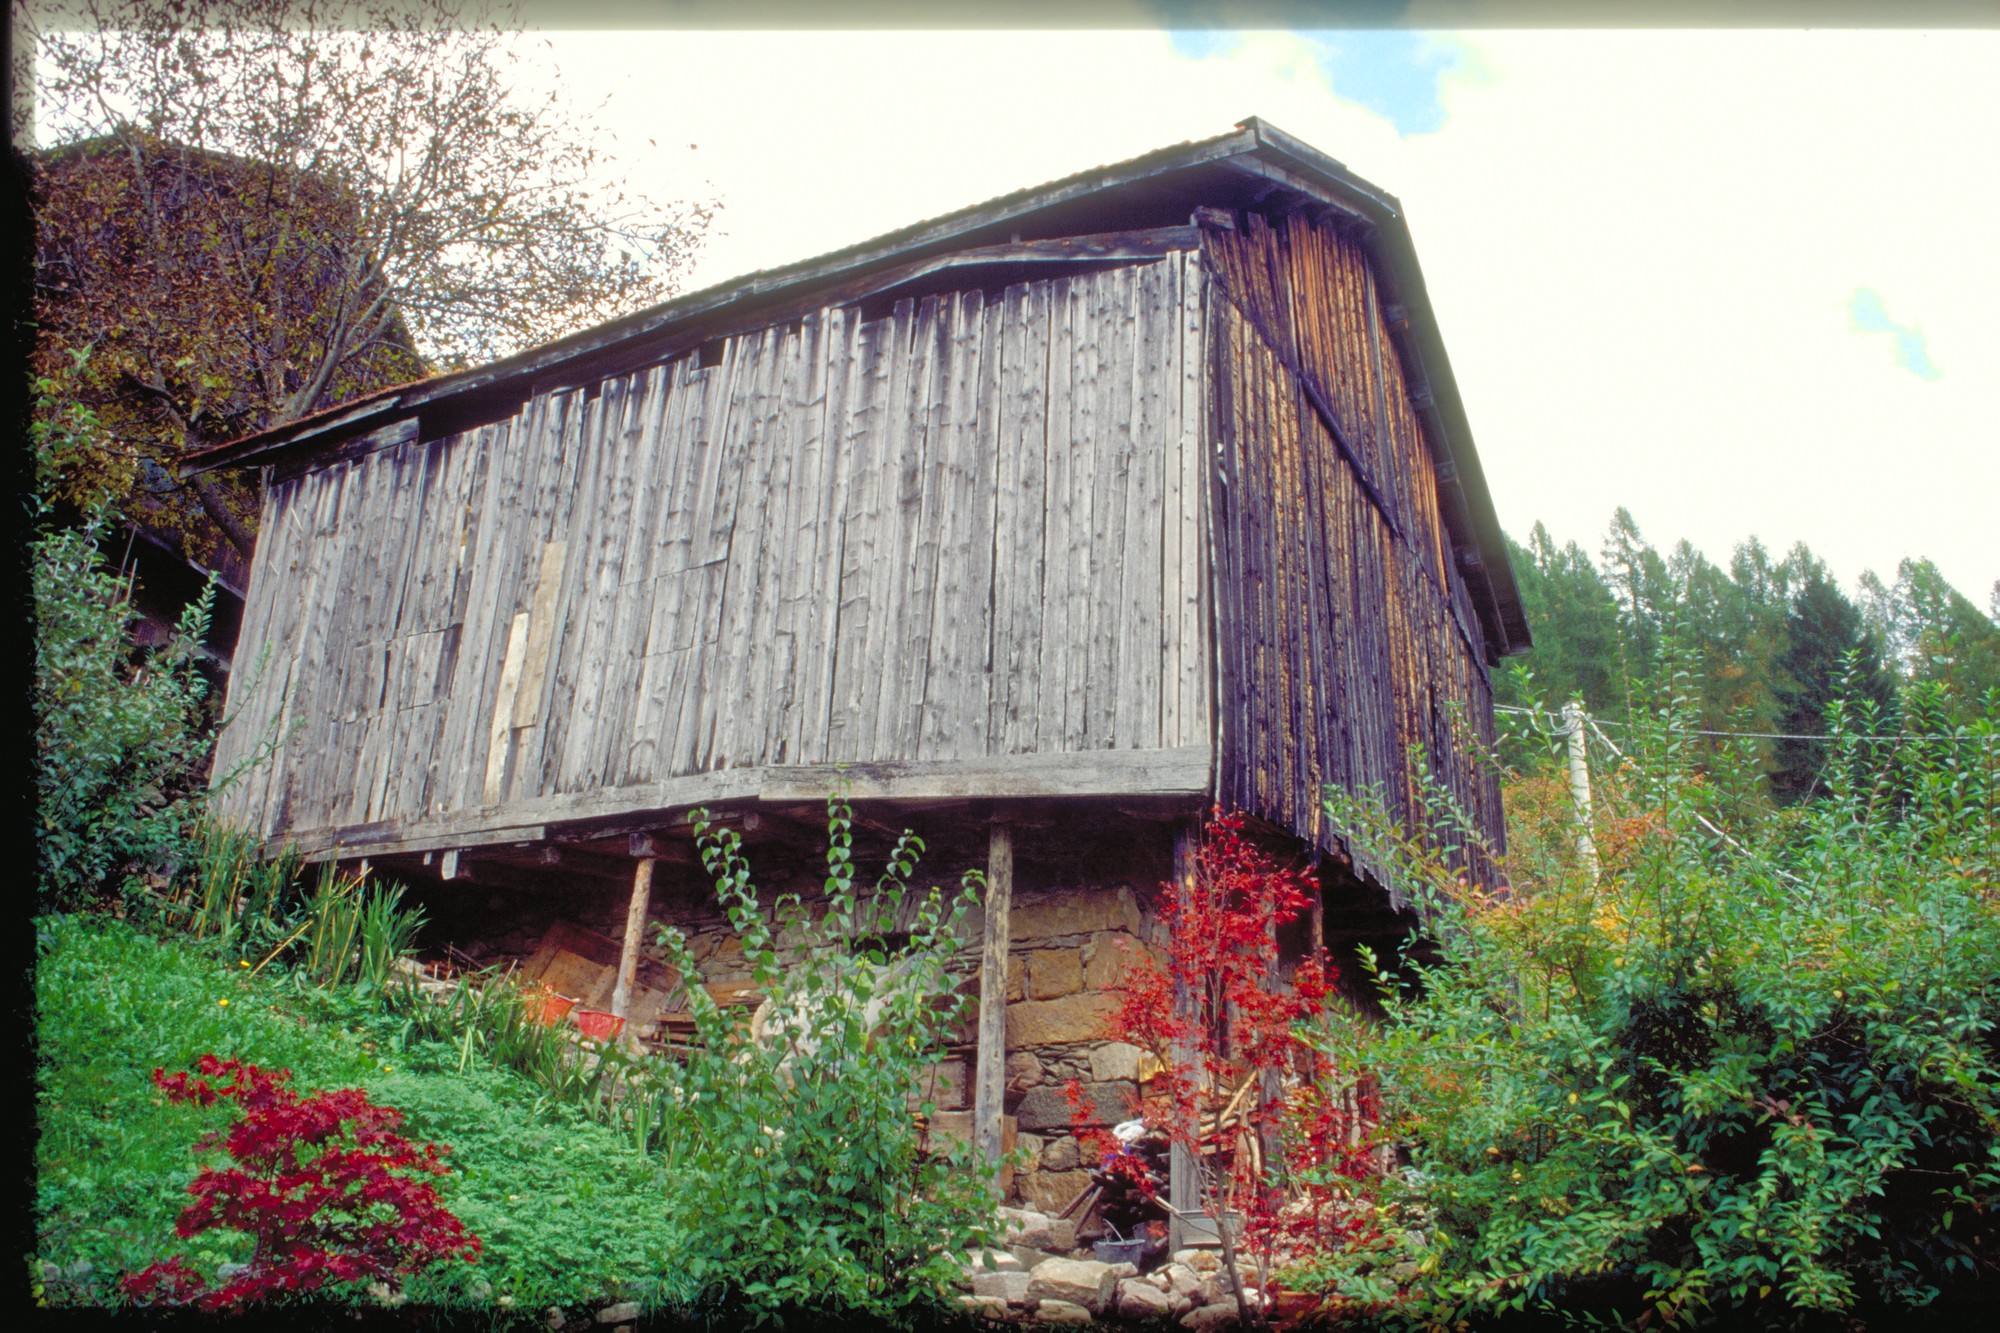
(1741, 1075)
(254, 209)
(1642, 586)
(1936, 634)
(120, 741)
(1574, 620)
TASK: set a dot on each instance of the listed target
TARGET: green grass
(568, 1212)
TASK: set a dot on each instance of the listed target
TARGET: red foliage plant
(1218, 1019)
(327, 1189)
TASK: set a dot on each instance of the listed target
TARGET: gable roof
(1249, 167)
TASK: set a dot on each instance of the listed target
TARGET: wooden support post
(1579, 784)
(635, 930)
(1181, 1192)
(989, 1082)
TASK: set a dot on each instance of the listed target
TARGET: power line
(1586, 719)
(1758, 735)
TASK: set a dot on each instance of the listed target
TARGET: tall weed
(795, 1156)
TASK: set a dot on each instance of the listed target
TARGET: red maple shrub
(1220, 1020)
(329, 1192)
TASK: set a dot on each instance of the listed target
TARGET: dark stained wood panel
(1346, 649)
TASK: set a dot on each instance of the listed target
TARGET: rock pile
(1038, 1276)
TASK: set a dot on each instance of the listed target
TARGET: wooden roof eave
(1414, 330)
(919, 241)
(1253, 150)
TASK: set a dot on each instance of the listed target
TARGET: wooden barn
(1048, 524)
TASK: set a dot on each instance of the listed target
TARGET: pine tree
(1575, 623)
(1825, 633)
(1641, 585)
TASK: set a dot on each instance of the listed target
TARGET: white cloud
(1641, 247)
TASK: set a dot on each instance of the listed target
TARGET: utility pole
(1579, 784)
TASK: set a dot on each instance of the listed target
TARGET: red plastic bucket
(547, 1008)
(599, 1025)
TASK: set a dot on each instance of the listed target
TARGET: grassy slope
(569, 1214)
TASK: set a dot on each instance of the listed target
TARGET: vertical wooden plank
(731, 410)
(773, 552)
(530, 453)
(1022, 517)
(1136, 716)
(863, 545)
(896, 652)
(821, 628)
(954, 699)
(657, 706)
(635, 931)
(747, 559)
(868, 545)
(1193, 626)
(1067, 527)
(989, 1079)
(1113, 451)
(611, 759)
(781, 684)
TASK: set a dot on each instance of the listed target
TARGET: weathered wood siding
(971, 527)
(1344, 631)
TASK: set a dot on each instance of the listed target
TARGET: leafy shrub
(331, 1195)
(795, 1158)
(1749, 1071)
(119, 745)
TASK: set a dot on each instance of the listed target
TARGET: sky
(1738, 282)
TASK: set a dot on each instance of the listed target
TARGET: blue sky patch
(1202, 43)
(1392, 72)
(1867, 314)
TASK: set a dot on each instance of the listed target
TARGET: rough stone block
(1103, 1104)
(1030, 1233)
(992, 1261)
(622, 1313)
(1185, 1281)
(1059, 1155)
(949, 1084)
(1138, 1299)
(1061, 1312)
(1206, 1317)
(1009, 1287)
(1054, 973)
(1108, 956)
(1201, 1261)
(1024, 1071)
(1052, 1191)
(1115, 1060)
(1074, 912)
(1084, 1282)
(1017, 978)
(986, 1307)
(1088, 1016)
(1029, 1256)
(951, 1127)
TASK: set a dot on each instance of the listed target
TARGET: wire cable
(1759, 735)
